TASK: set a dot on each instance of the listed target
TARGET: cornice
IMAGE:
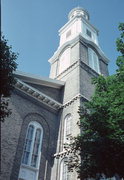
(71, 43)
(78, 96)
(41, 97)
(95, 46)
(71, 21)
(36, 94)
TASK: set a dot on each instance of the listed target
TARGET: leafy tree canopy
(101, 143)
(7, 67)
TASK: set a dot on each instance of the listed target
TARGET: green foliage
(7, 66)
(101, 143)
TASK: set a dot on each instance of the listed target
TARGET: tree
(101, 143)
(7, 80)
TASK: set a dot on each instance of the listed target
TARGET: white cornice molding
(71, 43)
(37, 95)
(70, 22)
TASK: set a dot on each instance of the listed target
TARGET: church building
(45, 110)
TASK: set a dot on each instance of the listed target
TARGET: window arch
(67, 128)
(64, 172)
(31, 152)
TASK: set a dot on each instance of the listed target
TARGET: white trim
(28, 168)
(78, 38)
(67, 126)
(64, 173)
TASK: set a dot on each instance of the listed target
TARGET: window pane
(36, 148)
(93, 60)
(25, 157)
(96, 65)
(27, 146)
(88, 33)
(90, 58)
(30, 132)
(34, 160)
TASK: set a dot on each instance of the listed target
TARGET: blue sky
(31, 27)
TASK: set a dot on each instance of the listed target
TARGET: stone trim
(78, 96)
(37, 95)
(44, 98)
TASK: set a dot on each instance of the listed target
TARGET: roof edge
(30, 78)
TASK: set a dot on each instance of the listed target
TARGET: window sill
(29, 167)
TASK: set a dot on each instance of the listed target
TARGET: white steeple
(78, 24)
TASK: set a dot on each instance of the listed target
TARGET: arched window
(67, 128)
(64, 60)
(31, 152)
(93, 60)
(64, 172)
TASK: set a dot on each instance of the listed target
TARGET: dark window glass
(88, 33)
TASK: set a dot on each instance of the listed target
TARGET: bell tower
(77, 60)
(79, 56)
(77, 27)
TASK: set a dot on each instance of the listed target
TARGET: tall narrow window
(36, 148)
(67, 128)
(93, 60)
(32, 152)
(64, 172)
(27, 146)
(64, 60)
(68, 34)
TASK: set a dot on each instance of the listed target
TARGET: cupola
(78, 12)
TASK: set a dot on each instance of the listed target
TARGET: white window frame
(27, 169)
(67, 128)
(93, 60)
